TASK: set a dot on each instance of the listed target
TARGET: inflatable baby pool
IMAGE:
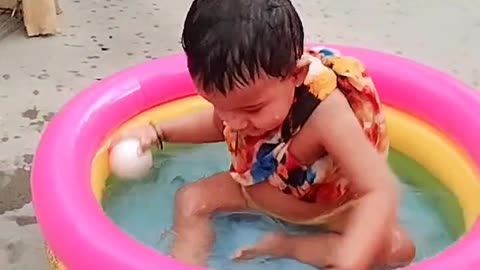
(432, 118)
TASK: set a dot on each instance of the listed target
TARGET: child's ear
(301, 70)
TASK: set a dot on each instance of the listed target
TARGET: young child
(307, 137)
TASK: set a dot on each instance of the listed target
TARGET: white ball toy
(128, 162)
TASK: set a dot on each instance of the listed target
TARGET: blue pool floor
(144, 210)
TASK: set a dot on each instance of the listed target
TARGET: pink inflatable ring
(432, 118)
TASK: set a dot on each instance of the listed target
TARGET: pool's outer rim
(76, 133)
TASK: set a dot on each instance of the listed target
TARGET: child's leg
(318, 250)
(195, 205)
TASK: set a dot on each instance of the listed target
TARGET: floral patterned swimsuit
(259, 160)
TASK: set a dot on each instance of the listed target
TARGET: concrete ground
(100, 37)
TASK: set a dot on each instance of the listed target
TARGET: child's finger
(145, 143)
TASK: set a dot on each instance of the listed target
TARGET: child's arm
(342, 137)
(201, 127)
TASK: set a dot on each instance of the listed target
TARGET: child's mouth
(260, 134)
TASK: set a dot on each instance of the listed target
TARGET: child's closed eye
(253, 109)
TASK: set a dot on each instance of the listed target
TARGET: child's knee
(190, 201)
(402, 250)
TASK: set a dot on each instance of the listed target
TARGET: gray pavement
(100, 37)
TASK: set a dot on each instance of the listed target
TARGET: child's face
(260, 107)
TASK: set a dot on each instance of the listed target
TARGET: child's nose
(237, 123)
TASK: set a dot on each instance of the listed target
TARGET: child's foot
(272, 245)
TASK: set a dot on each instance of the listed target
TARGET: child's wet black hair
(228, 43)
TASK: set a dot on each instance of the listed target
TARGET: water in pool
(144, 210)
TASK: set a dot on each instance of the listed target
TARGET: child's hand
(148, 136)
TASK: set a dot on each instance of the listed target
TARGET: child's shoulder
(350, 76)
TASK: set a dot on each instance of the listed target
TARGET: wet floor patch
(37, 121)
(31, 114)
(14, 251)
(23, 220)
(14, 189)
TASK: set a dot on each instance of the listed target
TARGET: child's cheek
(268, 120)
